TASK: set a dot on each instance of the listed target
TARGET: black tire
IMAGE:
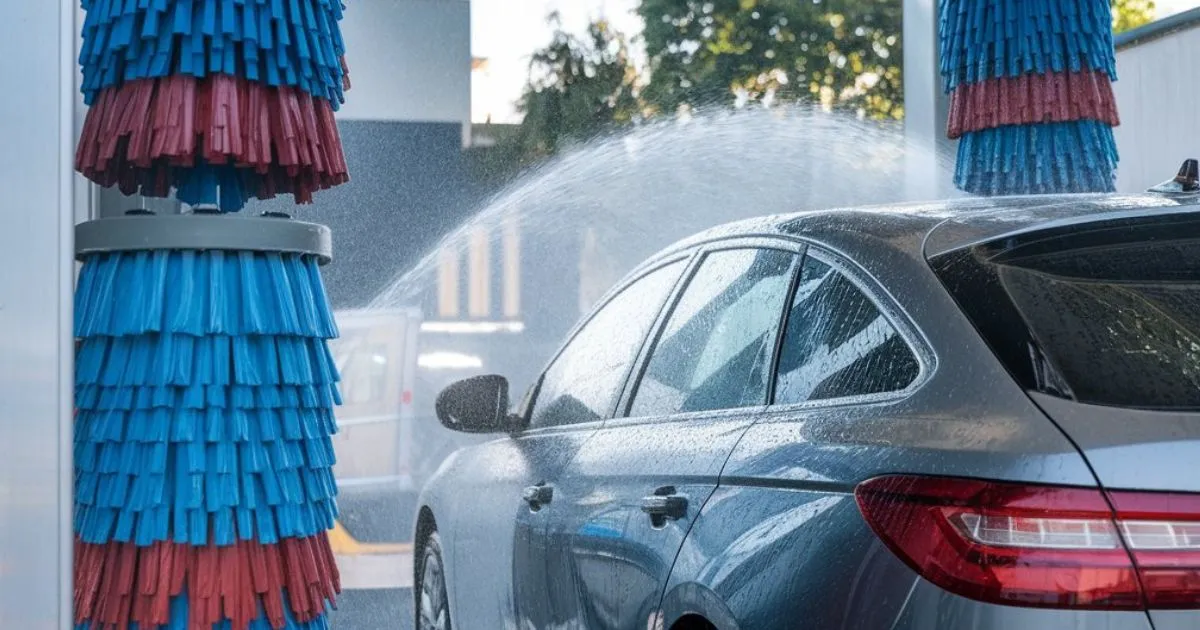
(432, 601)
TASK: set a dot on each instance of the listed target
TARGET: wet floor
(375, 582)
(389, 609)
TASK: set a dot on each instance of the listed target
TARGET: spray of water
(599, 209)
(637, 191)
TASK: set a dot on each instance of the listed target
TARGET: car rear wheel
(434, 604)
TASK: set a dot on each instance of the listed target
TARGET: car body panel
(804, 559)
(782, 538)
(779, 542)
(613, 560)
(482, 518)
(619, 573)
(1132, 449)
(1174, 619)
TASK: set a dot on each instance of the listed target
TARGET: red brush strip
(118, 583)
(137, 135)
(1030, 99)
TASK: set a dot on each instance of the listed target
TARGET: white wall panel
(410, 60)
(1159, 106)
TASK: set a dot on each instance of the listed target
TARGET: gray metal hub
(144, 231)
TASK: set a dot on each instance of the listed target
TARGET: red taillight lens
(1162, 531)
(1041, 546)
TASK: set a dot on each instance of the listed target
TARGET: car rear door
(631, 492)
(1099, 320)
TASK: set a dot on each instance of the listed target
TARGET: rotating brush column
(204, 393)
(1031, 93)
(216, 101)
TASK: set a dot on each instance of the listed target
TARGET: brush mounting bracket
(138, 231)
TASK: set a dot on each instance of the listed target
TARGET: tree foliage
(840, 53)
(1128, 14)
(837, 52)
(577, 87)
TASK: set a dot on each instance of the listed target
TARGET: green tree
(578, 86)
(840, 53)
(1129, 14)
(843, 53)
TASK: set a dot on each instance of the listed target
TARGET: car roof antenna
(1187, 181)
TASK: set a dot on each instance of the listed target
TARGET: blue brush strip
(95, 397)
(180, 616)
(282, 42)
(156, 360)
(204, 475)
(1072, 157)
(987, 39)
(202, 293)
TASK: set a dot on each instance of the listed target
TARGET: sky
(508, 31)
(1170, 7)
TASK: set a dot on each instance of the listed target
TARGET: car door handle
(664, 506)
(538, 496)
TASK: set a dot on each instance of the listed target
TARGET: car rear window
(1102, 314)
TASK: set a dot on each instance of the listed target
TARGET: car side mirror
(475, 405)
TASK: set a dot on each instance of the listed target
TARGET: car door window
(583, 382)
(716, 348)
(837, 343)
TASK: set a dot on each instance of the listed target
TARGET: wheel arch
(690, 603)
(693, 621)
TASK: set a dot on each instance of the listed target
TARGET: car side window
(583, 382)
(716, 348)
(837, 343)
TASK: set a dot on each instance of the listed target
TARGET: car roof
(932, 228)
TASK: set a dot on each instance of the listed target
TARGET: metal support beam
(925, 104)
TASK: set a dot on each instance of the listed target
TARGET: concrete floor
(376, 593)
(376, 587)
(377, 609)
(374, 572)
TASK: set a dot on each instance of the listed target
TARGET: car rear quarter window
(583, 382)
(837, 343)
(716, 348)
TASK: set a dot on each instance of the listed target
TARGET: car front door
(573, 397)
(629, 495)
(504, 488)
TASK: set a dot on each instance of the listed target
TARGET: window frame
(887, 306)
(633, 380)
(688, 258)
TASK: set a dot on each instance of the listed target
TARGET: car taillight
(1162, 532)
(1043, 546)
